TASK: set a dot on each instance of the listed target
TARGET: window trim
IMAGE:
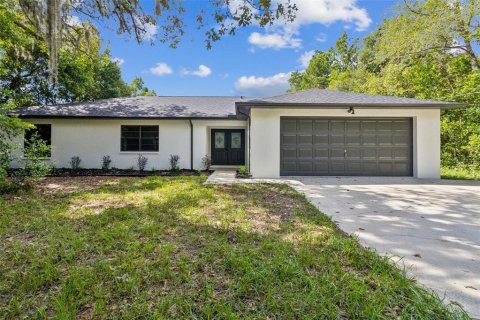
(139, 139)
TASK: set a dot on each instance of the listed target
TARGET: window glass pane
(139, 138)
(236, 142)
(219, 140)
(149, 138)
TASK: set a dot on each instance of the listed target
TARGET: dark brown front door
(228, 146)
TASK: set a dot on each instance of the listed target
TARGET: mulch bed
(65, 172)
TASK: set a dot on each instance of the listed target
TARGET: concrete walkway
(432, 227)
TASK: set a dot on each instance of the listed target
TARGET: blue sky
(254, 62)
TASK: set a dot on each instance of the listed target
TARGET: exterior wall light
(351, 110)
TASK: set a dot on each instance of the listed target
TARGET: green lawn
(176, 248)
(460, 173)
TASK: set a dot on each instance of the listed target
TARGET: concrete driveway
(433, 227)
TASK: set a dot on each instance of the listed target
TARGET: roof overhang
(246, 106)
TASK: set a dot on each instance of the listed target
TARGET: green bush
(243, 170)
(35, 165)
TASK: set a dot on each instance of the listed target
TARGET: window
(139, 138)
(219, 140)
(236, 142)
(44, 131)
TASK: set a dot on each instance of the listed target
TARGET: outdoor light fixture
(351, 110)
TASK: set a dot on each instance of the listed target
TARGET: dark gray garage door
(336, 146)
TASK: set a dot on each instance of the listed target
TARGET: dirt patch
(55, 185)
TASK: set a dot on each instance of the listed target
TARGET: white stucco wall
(92, 139)
(265, 136)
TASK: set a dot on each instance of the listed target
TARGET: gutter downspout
(249, 139)
(191, 144)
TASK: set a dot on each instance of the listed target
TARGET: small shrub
(141, 162)
(174, 158)
(106, 161)
(243, 170)
(36, 151)
(75, 162)
(206, 162)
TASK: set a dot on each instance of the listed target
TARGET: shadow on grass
(187, 250)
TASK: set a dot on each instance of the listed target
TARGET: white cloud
(161, 69)
(263, 86)
(282, 35)
(305, 58)
(202, 71)
(329, 11)
(274, 40)
(118, 61)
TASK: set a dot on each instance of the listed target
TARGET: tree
(431, 26)
(338, 61)
(51, 20)
(84, 71)
(137, 88)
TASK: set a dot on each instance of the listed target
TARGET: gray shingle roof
(217, 107)
(140, 107)
(333, 97)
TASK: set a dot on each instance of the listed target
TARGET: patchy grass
(460, 173)
(175, 248)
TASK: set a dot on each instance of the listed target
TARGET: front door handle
(345, 153)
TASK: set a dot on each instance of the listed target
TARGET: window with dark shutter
(44, 131)
(139, 138)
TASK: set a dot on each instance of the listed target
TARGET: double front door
(228, 146)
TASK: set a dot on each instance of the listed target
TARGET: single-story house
(312, 132)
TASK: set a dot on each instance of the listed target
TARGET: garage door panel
(369, 139)
(289, 166)
(288, 125)
(305, 153)
(370, 168)
(329, 146)
(337, 139)
(401, 139)
(368, 126)
(401, 154)
(354, 167)
(337, 167)
(289, 139)
(321, 125)
(305, 125)
(320, 166)
(337, 153)
(353, 126)
(303, 139)
(385, 154)
(353, 140)
(384, 125)
(369, 153)
(337, 126)
(399, 168)
(321, 153)
(305, 167)
(321, 139)
(384, 139)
